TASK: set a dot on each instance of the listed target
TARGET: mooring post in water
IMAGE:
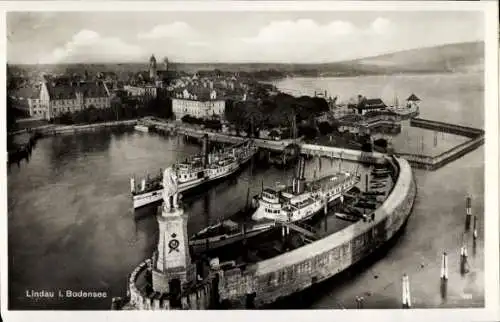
(359, 302)
(463, 259)
(474, 227)
(444, 275)
(406, 297)
(444, 267)
(468, 211)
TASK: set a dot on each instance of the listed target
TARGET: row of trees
(275, 111)
(210, 124)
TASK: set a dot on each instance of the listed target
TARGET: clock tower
(172, 267)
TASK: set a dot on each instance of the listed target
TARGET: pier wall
(436, 162)
(309, 149)
(466, 131)
(195, 297)
(297, 270)
(64, 129)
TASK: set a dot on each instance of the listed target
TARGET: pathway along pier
(416, 160)
(432, 163)
(172, 280)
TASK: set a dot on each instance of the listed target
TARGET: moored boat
(272, 208)
(195, 171)
(303, 199)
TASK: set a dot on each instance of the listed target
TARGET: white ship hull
(147, 198)
(303, 214)
(141, 128)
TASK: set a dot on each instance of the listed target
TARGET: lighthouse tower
(172, 267)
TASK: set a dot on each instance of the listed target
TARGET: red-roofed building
(58, 96)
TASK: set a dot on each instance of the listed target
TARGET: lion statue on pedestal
(170, 188)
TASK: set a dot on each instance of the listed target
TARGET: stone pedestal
(172, 265)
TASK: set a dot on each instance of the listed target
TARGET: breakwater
(466, 131)
(265, 282)
(20, 152)
(51, 129)
(278, 146)
(435, 162)
(196, 297)
(281, 276)
(417, 160)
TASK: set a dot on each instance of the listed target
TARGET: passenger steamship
(195, 171)
(295, 203)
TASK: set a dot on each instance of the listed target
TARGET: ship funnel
(303, 169)
(299, 167)
(143, 184)
(204, 150)
(132, 185)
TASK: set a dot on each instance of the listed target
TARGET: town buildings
(199, 103)
(366, 105)
(61, 95)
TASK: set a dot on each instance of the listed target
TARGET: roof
(377, 113)
(413, 98)
(27, 92)
(371, 103)
(62, 89)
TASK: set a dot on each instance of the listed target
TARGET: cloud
(381, 26)
(177, 29)
(302, 30)
(309, 41)
(89, 46)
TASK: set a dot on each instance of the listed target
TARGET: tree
(11, 117)
(325, 128)
(381, 143)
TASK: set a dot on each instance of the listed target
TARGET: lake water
(455, 98)
(71, 225)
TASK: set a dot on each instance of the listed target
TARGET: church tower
(152, 67)
(165, 64)
(172, 267)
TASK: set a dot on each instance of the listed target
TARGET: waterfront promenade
(416, 160)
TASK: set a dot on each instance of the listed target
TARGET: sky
(284, 37)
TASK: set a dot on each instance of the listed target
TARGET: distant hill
(444, 58)
(458, 57)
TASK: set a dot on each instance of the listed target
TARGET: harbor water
(72, 227)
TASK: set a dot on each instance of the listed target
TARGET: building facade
(57, 98)
(35, 107)
(141, 91)
(196, 108)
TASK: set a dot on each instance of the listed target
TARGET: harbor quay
(476, 139)
(170, 280)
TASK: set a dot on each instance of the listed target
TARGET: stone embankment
(308, 149)
(294, 271)
(265, 282)
(435, 162)
(23, 151)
